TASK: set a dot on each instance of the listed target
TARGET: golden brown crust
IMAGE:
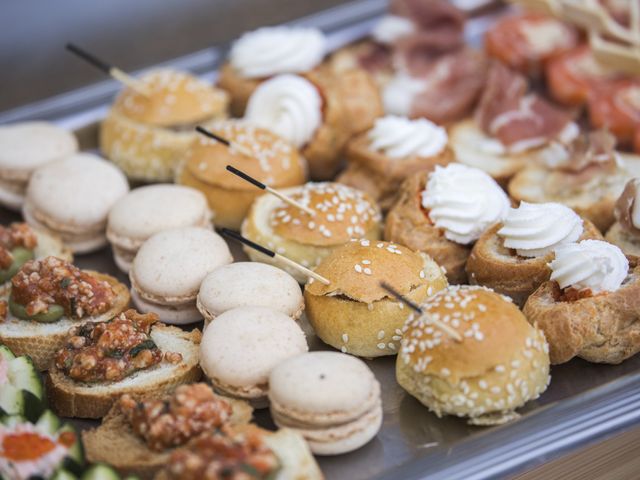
(381, 176)
(41, 344)
(239, 88)
(408, 225)
(627, 241)
(603, 328)
(492, 265)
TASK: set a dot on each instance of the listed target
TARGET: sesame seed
(366, 262)
(495, 389)
(500, 369)
(358, 268)
(483, 384)
(367, 271)
(445, 372)
(381, 346)
(343, 349)
(380, 334)
(422, 275)
(345, 338)
(392, 345)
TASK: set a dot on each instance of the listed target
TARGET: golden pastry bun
(501, 363)
(274, 162)
(493, 265)
(342, 213)
(239, 88)
(354, 313)
(145, 136)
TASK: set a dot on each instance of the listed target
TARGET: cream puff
(501, 363)
(146, 136)
(71, 199)
(444, 212)
(268, 51)
(25, 147)
(341, 213)
(625, 232)
(590, 308)
(318, 113)
(273, 161)
(354, 313)
(380, 159)
(512, 257)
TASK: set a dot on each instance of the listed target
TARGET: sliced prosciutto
(616, 106)
(520, 120)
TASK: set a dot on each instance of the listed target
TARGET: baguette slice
(41, 341)
(69, 398)
(115, 443)
(296, 460)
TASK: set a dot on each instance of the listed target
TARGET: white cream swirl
(391, 28)
(270, 51)
(289, 106)
(399, 94)
(399, 137)
(535, 229)
(591, 264)
(464, 202)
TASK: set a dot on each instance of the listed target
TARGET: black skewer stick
(227, 143)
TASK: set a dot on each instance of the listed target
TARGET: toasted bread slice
(115, 443)
(69, 398)
(48, 246)
(42, 340)
(296, 460)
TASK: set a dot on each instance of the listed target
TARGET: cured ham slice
(525, 42)
(616, 106)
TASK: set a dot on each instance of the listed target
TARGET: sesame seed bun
(274, 162)
(342, 213)
(501, 363)
(239, 88)
(354, 313)
(139, 132)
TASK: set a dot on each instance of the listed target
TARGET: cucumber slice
(22, 374)
(101, 472)
(48, 422)
(12, 420)
(6, 354)
(62, 474)
(76, 454)
(55, 313)
(12, 400)
(21, 256)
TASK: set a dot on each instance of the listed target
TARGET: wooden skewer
(452, 332)
(272, 254)
(272, 191)
(110, 70)
(231, 145)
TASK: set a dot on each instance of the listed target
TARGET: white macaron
(241, 347)
(25, 147)
(331, 398)
(249, 284)
(72, 198)
(169, 267)
(149, 210)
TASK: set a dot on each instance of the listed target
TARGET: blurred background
(129, 34)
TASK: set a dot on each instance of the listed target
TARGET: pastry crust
(501, 269)
(407, 224)
(603, 328)
(239, 88)
(379, 175)
(627, 241)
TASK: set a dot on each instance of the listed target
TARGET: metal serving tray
(584, 404)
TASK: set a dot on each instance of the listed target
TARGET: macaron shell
(173, 314)
(241, 346)
(323, 384)
(171, 265)
(10, 198)
(151, 209)
(26, 146)
(250, 283)
(76, 192)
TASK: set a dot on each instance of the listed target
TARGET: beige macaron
(249, 284)
(331, 398)
(72, 197)
(149, 210)
(241, 347)
(25, 147)
(169, 267)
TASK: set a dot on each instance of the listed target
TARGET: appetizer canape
(71, 199)
(273, 161)
(512, 257)
(244, 284)
(25, 147)
(331, 399)
(615, 106)
(396, 147)
(241, 347)
(169, 268)
(146, 135)
(21, 391)
(48, 297)
(354, 313)
(341, 213)
(444, 212)
(625, 232)
(589, 308)
(501, 363)
(131, 353)
(137, 436)
(148, 210)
